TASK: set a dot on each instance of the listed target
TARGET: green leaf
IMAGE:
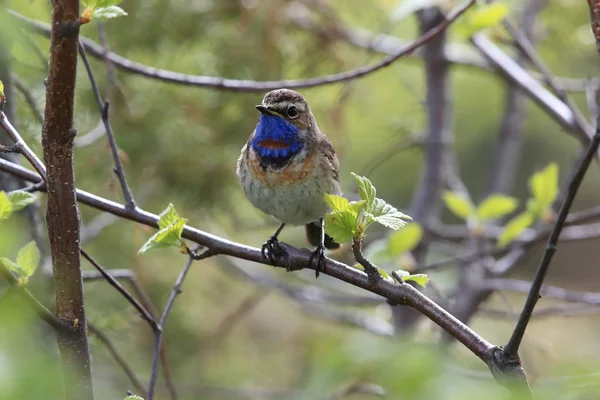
(544, 185)
(496, 206)
(336, 203)
(106, 13)
(514, 228)
(6, 208)
(383, 272)
(460, 206)
(168, 236)
(355, 207)
(366, 190)
(168, 216)
(482, 17)
(341, 225)
(28, 259)
(387, 215)
(419, 279)
(405, 239)
(133, 397)
(21, 199)
(13, 267)
(488, 15)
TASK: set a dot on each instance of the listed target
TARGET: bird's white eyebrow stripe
(285, 104)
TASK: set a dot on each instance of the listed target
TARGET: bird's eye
(292, 112)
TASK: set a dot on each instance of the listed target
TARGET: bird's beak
(264, 110)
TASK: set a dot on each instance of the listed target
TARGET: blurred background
(241, 330)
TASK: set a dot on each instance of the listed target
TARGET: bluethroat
(286, 167)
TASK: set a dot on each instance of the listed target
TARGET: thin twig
(529, 50)
(512, 348)
(120, 359)
(103, 108)
(555, 292)
(30, 99)
(163, 318)
(97, 50)
(114, 283)
(370, 269)
(22, 146)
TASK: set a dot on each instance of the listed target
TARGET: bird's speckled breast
(292, 194)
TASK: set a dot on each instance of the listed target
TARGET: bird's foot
(319, 254)
(271, 248)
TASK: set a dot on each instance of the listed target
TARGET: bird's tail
(313, 234)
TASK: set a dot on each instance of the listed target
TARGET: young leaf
(133, 397)
(496, 206)
(544, 185)
(341, 225)
(13, 266)
(168, 236)
(355, 207)
(336, 203)
(20, 199)
(106, 13)
(405, 239)
(387, 215)
(420, 279)
(28, 259)
(382, 272)
(459, 206)
(168, 216)
(514, 228)
(366, 190)
(171, 235)
(6, 208)
(488, 15)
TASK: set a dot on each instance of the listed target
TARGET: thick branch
(62, 210)
(294, 259)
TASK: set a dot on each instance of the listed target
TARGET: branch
(163, 318)
(103, 108)
(21, 147)
(294, 259)
(120, 359)
(512, 348)
(529, 50)
(62, 211)
(114, 283)
(98, 51)
(521, 78)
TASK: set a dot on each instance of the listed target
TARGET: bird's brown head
(290, 105)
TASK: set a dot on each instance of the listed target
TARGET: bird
(285, 169)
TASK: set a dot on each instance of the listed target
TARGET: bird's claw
(269, 248)
(319, 254)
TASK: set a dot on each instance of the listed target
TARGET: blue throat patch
(275, 139)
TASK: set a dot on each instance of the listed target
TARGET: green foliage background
(180, 145)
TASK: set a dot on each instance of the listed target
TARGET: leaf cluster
(170, 226)
(543, 186)
(28, 257)
(101, 10)
(349, 220)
